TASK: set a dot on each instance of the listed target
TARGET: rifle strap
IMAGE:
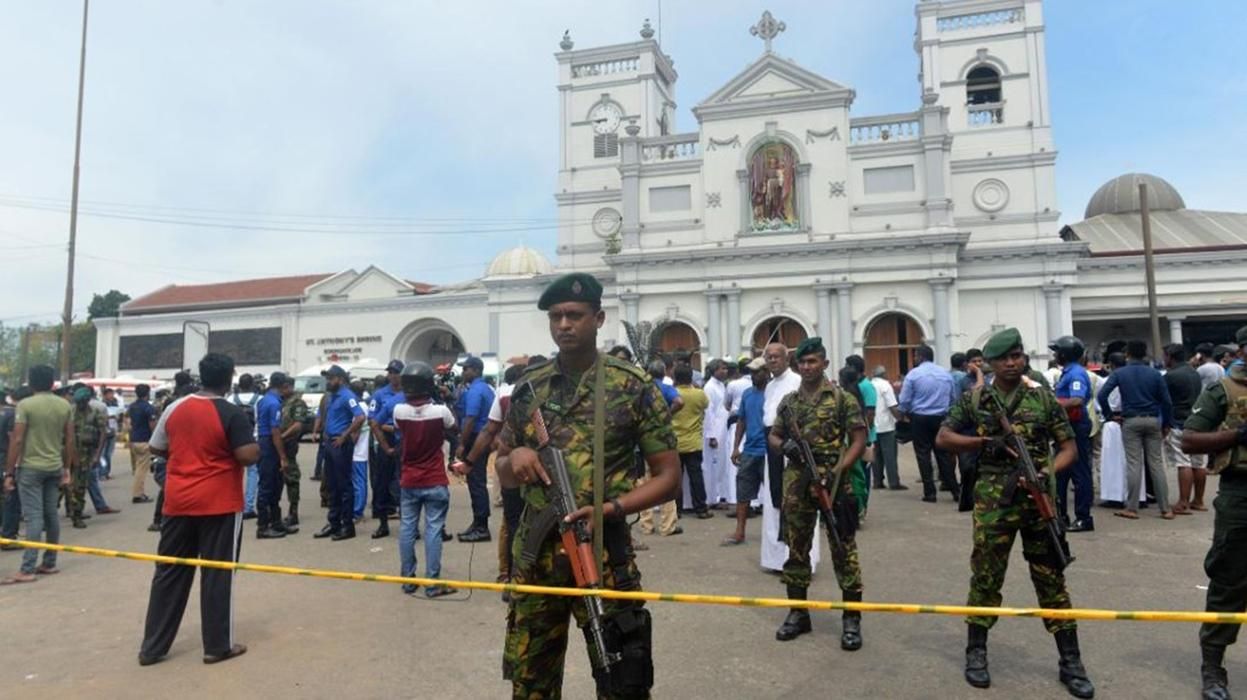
(599, 458)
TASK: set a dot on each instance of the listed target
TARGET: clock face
(606, 222)
(605, 118)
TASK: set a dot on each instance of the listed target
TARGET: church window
(982, 86)
(773, 188)
(605, 145)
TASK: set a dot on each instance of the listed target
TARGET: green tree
(107, 305)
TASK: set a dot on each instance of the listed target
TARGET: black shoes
(249, 515)
(1073, 675)
(346, 533)
(928, 499)
(976, 657)
(798, 621)
(326, 531)
(898, 487)
(851, 630)
(236, 650)
(1081, 526)
(1216, 682)
(476, 533)
(383, 530)
(149, 660)
(446, 536)
(269, 533)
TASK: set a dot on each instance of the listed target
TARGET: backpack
(248, 408)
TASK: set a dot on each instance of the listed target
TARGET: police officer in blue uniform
(385, 451)
(343, 419)
(1073, 392)
(267, 424)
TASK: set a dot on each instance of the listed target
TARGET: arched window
(778, 329)
(890, 342)
(679, 341)
(773, 188)
(982, 86)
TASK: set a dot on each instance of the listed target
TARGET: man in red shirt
(422, 426)
(207, 440)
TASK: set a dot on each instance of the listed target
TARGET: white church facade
(782, 215)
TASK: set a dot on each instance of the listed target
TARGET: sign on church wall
(248, 346)
(159, 351)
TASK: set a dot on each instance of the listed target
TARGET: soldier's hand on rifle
(586, 514)
(526, 467)
(998, 447)
(791, 449)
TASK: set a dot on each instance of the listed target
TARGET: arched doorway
(428, 340)
(778, 329)
(677, 338)
(890, 341)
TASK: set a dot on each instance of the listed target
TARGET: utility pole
(1149, 268)
(23, 362)
(67, 315)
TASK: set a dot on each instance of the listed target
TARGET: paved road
(77, 634)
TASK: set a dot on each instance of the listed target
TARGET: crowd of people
(777, 436)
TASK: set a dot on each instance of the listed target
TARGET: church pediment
(772, 80)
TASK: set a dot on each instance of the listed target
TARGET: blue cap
(334, 371)
(395, 367)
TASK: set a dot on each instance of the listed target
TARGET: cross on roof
(767, 28)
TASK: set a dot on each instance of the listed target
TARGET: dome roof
(520, 261)
(1121, 195)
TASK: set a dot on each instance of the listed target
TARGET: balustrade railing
(989, 114)
(897, 127)
(622, 65)
(675, 147)
(978, 19)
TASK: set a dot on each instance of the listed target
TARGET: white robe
(716, 462)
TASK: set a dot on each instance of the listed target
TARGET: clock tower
(605, 93)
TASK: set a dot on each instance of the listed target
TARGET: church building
(782, 214)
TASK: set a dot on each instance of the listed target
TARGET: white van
(311, 384)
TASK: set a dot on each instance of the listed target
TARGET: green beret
(1001, 343)
(810, 346)
(1240, 336)
(576, 286)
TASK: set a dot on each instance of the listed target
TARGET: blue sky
(444, 114)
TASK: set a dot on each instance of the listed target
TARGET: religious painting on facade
(773, 187)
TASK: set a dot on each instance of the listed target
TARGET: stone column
(732, 344)
(495, 323)
(822, 296)
(631, 301)
(1175, 329)
(803, 195)
(746, 213)
(843, 341)
(939, 299)
(714, 332)
(1052, 306)
(630, 187)
(936, 145)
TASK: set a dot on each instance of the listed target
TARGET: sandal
(1200, 507)
(439, 591)
(47, 570)
(19, 578)
(236, 650)
(1167, 515)
(1127, 514)
(731, 542)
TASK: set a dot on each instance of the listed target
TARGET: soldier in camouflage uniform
(294, 418)
(831, 423)
(90, 431)
(1003, 509)
(1217, 426)
(566, 390)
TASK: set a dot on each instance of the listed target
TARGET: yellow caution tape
(741, 601)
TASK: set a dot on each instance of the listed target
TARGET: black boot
(1212, 672)
(976, 657)
(1073, 675)
(798, 621)
(384, 530)
(291, 523)
(851, 633)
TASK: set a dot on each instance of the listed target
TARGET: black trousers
(217, 537)
(383, 468)
(925, 428)
(775, 473)
(338, 466)
(691, 461)
(478, 485)
(1226, 563)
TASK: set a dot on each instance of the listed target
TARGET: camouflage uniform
(827, 425)
(1040, 421)
(293, 410)
(90, 429)
(636, 416)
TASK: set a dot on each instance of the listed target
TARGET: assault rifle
(1030, 481)
(825, 494)
(577, 541)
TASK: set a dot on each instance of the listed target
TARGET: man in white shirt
(719, 475)
(736, 387)
(783, 382)
(886, 412)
